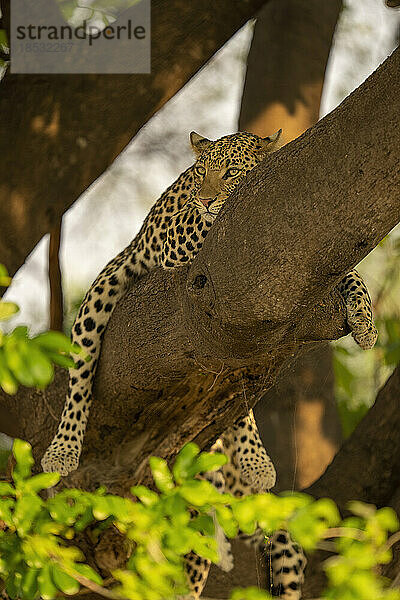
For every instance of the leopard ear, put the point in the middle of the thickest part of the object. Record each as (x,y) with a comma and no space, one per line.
(270,143)
(199,143)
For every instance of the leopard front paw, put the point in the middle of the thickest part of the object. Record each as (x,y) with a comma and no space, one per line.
(366,337)
(362,327)
(61,459)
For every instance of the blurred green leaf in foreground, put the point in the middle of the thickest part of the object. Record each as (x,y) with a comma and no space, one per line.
(38,558)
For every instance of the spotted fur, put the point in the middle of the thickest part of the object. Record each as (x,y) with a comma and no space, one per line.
(249,471)
(359,310)
(287,566)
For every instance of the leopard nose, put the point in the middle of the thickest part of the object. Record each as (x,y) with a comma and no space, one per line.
(206,201)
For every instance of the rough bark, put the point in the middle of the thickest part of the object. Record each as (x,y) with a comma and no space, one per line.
(59,133)
(367,468)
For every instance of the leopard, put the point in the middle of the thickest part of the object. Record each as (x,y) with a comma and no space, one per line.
(243,447)
(171,236)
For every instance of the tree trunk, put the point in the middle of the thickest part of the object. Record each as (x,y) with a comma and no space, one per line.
(286,66)
(59,133)
(299,421)
(55,280)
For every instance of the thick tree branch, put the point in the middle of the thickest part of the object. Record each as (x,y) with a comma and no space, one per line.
(372,453)
(59,133)
(285,90)
(367,468)
(190,350)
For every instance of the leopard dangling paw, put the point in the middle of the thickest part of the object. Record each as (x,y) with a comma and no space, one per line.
(359,310)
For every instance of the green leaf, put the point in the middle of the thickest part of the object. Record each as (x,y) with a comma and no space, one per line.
(39,366)
(182,468)
(27,508)
(16,361)
(101,508)
(204,524)
(64,582)
(88,572)
(47,589)
(56,342)
(205,547)
(208,461)
(13,586)
(42,481)
(161,474)
(245,514)
(6,508)
(30,584)
(66,362)
(5,280)
(311,522)
(7,310)
(387,518)
(226,520)
(6,489)
(84,520)
(7,379)
(200,492)
(22,452)
(175,507)
(20,332)
(4,43)
(146,496)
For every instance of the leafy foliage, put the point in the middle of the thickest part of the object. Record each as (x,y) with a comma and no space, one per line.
(29,360)
(38,558)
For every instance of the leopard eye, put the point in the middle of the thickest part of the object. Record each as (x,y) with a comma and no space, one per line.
(200,170)
(232,172)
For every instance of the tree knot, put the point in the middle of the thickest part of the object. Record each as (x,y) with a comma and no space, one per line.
(199,282)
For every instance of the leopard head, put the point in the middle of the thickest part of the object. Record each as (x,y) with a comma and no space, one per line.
(223,163)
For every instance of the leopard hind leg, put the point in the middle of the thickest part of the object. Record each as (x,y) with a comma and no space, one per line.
(288,563)
(197,569)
